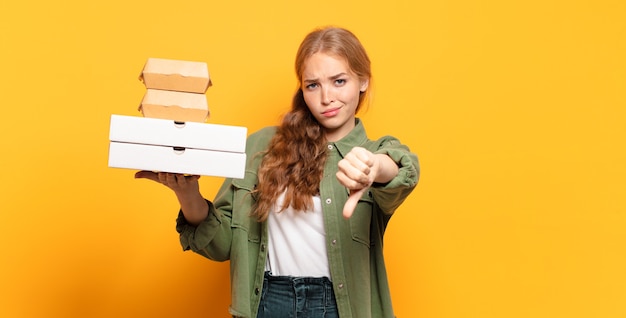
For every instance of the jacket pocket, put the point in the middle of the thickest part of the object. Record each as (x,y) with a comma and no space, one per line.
(243,201)
(361,219)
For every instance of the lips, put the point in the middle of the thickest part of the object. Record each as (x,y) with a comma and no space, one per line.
(331,112)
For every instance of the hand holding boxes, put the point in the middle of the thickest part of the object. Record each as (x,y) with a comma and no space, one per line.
(172,135)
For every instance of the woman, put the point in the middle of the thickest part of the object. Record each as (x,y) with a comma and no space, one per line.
(303,229)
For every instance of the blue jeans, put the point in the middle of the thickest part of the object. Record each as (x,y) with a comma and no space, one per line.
(297,297)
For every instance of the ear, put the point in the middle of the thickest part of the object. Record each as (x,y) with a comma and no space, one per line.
(364,85)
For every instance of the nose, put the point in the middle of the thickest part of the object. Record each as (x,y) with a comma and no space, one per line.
(326,96)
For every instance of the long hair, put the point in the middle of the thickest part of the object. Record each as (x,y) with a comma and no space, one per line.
(294,161)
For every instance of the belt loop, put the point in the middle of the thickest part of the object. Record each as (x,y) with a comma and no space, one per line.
(331,293)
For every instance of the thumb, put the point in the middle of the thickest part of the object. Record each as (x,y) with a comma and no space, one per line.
(143,174)
(353,199)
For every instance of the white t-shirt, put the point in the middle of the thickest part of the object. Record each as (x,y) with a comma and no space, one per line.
(297,242)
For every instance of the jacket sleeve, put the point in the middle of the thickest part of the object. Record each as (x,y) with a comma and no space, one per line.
(390,195)
(212,238)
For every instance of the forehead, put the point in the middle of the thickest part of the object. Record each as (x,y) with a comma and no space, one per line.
(324,65)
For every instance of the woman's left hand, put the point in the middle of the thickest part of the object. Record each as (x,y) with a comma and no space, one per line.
(357,171)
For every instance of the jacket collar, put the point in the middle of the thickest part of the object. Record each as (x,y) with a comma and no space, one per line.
(356,137)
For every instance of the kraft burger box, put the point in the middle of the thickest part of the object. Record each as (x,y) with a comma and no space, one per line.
(176,75)
(172,140)
(178,106)
(175,90)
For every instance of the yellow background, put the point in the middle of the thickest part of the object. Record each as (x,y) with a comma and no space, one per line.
(516,109)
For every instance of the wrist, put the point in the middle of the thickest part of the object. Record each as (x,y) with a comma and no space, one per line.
(387,169)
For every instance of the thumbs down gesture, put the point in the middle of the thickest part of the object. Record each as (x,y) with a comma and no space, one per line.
(359,169)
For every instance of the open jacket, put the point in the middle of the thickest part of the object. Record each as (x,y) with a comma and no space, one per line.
(355,245)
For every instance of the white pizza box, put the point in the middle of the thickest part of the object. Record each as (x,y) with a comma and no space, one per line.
(177,160)
(180,106)
(176,75)
(164,132)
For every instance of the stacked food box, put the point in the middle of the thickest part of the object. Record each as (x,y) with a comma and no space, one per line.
(173,136)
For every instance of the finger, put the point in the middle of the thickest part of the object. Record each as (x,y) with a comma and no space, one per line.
(358,161)
(363,155)
(357,173)
(351,183)
(174,179)
(162,177)
(143,174)
(188,177)
(192,177)
(182,179)
(352,201)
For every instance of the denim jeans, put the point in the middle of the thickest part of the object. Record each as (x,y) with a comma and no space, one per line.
(297,297)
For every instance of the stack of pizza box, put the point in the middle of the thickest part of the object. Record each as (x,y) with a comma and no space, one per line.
(173,136)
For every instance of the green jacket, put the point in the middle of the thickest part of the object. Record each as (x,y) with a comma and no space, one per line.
(355,245)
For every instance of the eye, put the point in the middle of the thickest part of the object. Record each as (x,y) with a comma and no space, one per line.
(311,86)
(340,82)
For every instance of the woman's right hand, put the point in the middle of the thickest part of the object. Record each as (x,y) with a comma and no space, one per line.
(187,190)
(179,183)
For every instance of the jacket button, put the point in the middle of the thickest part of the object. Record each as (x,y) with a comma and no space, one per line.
(329,201)
(262,247)
(333,242)
(256,291)
(340,286)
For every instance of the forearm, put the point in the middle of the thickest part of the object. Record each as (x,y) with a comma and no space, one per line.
(387,169)
(194,207)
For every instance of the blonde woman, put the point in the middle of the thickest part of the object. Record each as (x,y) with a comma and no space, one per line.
(303,229)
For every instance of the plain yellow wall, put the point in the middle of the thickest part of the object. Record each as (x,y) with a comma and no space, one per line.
(517,110)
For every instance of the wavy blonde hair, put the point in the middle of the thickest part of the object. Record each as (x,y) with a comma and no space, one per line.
(294,161)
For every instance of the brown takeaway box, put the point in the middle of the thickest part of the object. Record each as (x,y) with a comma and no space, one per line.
(176,75)
(177,106)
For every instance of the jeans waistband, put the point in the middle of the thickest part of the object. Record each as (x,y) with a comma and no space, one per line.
(298,279)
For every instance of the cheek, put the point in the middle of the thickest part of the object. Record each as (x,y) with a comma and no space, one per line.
(309,99)
(350,95)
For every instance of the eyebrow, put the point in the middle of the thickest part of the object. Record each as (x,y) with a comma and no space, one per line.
(334,77)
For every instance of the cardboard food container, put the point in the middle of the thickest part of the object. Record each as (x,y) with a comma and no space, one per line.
(178,106)
(188,148)
(163,132)
(177,160)
(176,75)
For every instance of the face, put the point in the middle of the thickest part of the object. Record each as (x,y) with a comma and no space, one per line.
(331,91)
